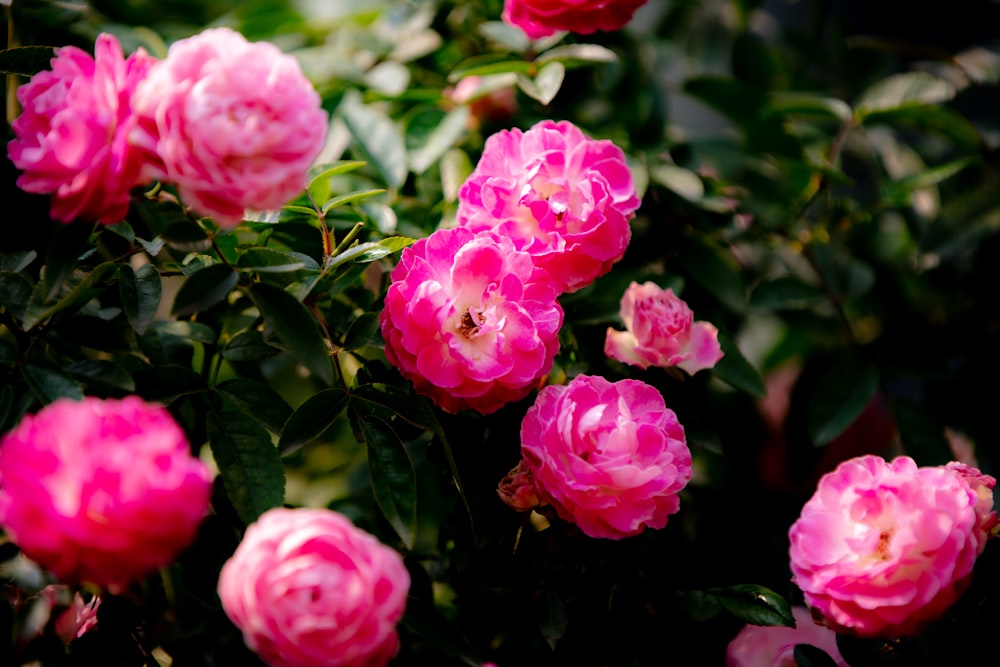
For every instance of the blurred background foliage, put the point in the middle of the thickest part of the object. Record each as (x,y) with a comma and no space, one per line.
(820,180)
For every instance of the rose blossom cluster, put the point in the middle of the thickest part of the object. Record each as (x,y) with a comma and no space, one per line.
(231,124)
(101,491)
(308,589)
(541,18)
(882,549)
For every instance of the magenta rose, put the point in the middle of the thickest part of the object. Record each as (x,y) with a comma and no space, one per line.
(774,646)
(661,331)
(309,589)
(233,124)
(883,549)
(101,491)
(470,320)
(71,139)
(541,18)
(609,457)
(561,196)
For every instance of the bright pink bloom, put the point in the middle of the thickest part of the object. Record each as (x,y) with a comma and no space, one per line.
(610,457)
(882,549)
(774,646)
(517,489)
(71,138)
(540,18)
(101,491)
(661,331)
(563,197)
(309,589)
(471,321)
(233,124)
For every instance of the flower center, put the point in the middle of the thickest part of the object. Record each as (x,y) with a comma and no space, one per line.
(469,324)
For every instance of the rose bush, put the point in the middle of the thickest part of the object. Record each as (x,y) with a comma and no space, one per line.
(884,548)
(559,195)
(661,331)
(610,457)
(540,18)
(774,645)
(233,124)
(101,491)
(71,139)
(309,589)
(470,320)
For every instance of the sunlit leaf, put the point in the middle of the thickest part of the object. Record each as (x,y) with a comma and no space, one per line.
(902,90)
(546,83)
(447,133)
(378,137)
(350,198)
(683,182)
(576,55)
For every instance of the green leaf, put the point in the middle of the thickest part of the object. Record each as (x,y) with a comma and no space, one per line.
(425,621)
(902,90)
(447,133)
(26,61)
(248,346)
(187,236)
(49,383)
(981,64)
(195,331)
(15,291)
(361,253)
(166,383)
(140,292)
(922,436)
(546,83)
(350,198)
(249,465)
(396,243)
(377,136)
(122,229)
(681,181)
(68,244)
(807,655)
(929,177)
(803,104)
(297,328)
(489,65)
(204,288)
(312,419)
(270,260)
(576,55)
(455,167)
(257,401)
(361,332)
(320,182)
(734,369)
(553,617)
(786,293)
(89,286)
(506,35)
(840,397)
(102,372)
(18,261)
(755,604)
(714,268)
(393,479)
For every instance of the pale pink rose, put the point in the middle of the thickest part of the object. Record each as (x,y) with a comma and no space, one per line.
(233,124)
(79,619)
(563,197)
(71,138)
(517,489)
(661,331)
(469,320)
(540,18)
(882,549)
(774,646)
(609,457)
(982,485)
(101,491)
(309,589)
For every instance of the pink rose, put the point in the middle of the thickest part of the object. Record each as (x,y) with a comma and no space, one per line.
(562,197)
(540,18)
(71,138)
(882,549)
(609,457)
(471,321)
(309,589)
(101,491)
(79,619)
(661,331)
(232,124)
(517,489)
(774,646)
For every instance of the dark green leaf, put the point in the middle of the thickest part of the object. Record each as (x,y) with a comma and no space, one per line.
(393,479)
(487,65)
(249,465)
(553,617)
(734,369)
(257,401)
(700,605)
(195,331)
(803,104)
(248,346)
(26,61)
(378,137)
(89,286)
(68,244)
(714,268)
(15,291)
(922,436)
(350,198)
(167,382)
(269,260)
(186,236)
(786,292)
(49,383)
(328,172)
(140,293)
(755,604)
(362,331)
(424,620)
(122,229)
(807,655)
(902,90)
(102,372)
(840,397)
(204,288)
(312,419)
(296,327)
